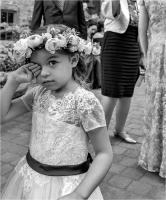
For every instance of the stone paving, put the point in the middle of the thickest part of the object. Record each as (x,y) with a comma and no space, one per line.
(125,179)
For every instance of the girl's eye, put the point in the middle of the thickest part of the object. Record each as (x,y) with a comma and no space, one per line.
(52,63)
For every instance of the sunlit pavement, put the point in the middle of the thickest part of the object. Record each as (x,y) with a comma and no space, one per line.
(125,179)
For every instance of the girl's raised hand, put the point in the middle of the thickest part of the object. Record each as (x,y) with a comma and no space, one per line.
(35,69)
(72,196)
(25,73)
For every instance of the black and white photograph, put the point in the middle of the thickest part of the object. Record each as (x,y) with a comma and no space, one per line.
(83,99)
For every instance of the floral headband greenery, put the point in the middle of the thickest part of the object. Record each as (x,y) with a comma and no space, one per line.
(53,40)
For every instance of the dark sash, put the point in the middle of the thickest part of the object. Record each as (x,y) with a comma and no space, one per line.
(64,170)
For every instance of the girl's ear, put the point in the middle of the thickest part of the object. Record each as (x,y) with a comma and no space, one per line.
(75,59)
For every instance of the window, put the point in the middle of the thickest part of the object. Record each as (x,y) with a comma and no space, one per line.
(7,16)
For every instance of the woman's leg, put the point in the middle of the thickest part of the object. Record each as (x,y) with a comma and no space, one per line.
(122,111)
(108,105)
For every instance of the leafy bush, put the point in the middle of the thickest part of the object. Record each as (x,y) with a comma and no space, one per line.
(7,62)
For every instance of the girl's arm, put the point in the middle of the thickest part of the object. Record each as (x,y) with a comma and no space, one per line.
(9,108)
(143,27)
(99,167)
(101,163)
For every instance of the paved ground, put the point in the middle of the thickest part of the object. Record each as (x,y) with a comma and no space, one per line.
(125,180)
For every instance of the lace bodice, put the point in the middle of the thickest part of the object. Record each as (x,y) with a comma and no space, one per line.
(157,18)
(60,126)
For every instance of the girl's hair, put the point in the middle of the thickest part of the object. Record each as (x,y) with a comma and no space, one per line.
(80,71)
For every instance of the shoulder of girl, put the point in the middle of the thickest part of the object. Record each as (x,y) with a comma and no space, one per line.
(86,96)
(85,93)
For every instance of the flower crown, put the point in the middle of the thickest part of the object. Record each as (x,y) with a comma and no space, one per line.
(53,40)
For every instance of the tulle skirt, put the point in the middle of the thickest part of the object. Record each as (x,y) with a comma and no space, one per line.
(25,183)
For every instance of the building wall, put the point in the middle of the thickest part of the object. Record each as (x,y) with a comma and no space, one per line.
(22,8)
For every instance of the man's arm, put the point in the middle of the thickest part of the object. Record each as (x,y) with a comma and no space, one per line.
(37,14)
(81,20)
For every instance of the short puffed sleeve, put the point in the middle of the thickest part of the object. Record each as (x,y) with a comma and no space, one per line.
(29,96)
(90,112)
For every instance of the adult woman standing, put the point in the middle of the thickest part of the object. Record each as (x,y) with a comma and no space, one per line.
(120,60)
(152,30)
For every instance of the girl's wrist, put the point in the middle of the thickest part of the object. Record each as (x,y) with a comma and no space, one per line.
(81,195)
(13,80)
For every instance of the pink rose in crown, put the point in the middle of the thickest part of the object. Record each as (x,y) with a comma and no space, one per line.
(51,45)
(34,41)
(55,44)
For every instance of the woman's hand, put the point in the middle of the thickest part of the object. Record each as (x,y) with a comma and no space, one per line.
(72,196)
(25,73)
(143,61)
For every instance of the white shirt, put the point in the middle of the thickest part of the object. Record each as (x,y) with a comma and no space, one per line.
(119,23)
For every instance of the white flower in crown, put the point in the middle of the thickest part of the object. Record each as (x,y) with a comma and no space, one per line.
(73,48)
(88,48)
(28,53)
(73,40)
(56,43)
(20,49)
(21,44)
(81,45)
(51,45)
(46,36)
(61,40)
(52,30)
(34,41)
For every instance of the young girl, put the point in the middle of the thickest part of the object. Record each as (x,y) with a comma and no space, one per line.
(65,117)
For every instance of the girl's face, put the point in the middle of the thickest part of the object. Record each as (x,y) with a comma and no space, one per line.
(56,70)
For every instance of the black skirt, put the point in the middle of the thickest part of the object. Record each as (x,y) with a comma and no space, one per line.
(120,63)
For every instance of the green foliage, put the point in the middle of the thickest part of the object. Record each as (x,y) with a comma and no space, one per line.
(7,62)
(12,34)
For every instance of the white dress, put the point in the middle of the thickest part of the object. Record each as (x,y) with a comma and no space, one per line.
(58,137)
(153,151)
